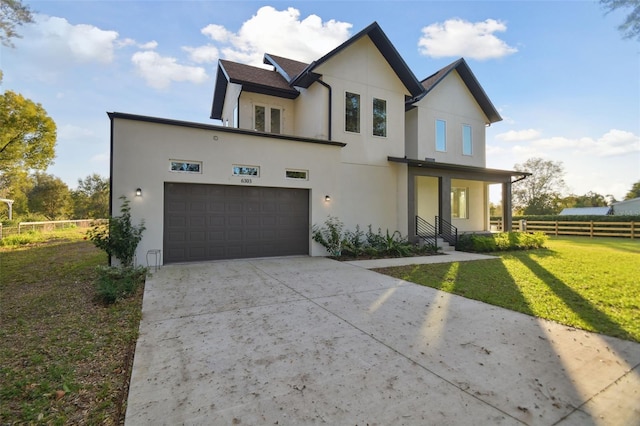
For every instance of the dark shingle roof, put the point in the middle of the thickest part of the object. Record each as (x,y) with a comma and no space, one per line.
(382,42)
(252,79)
(472,84)
(287,68)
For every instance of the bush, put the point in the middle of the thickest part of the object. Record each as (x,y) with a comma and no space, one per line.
(28,237)
(503,241)
(354,244)
(119,238)
(114,283)
(330,235)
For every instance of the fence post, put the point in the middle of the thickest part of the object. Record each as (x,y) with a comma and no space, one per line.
(556,228)
(632,230)
(591,229)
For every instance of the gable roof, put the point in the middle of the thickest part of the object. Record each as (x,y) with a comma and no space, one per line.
(585,211)
(287,68)
(307,76)
(469,80)
(252,79)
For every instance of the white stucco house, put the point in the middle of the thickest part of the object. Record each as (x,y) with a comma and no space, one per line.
(354,135)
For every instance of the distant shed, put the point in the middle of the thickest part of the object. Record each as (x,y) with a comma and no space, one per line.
(627,207)
(586,211)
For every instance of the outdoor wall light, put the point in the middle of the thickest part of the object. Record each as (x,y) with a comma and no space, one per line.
(327,198)
(138,192)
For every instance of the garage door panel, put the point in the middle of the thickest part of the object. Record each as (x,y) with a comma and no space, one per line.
(208,222)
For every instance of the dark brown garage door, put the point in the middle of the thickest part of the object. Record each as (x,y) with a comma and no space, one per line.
(209,222)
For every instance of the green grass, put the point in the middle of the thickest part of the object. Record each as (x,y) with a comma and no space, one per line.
(592,284)
(64,357)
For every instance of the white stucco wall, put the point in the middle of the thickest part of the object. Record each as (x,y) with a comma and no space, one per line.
(246,111)
(452,102)
(478,206)
(142,151)
(361,69)
(426,188)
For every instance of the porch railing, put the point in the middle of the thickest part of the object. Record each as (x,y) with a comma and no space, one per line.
(446,231)
(426,232)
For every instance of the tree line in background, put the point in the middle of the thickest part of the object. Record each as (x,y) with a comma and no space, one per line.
(542,192)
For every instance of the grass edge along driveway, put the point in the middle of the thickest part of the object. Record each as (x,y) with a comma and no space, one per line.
(591,284)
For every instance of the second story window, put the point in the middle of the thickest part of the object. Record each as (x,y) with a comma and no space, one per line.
(379,117)
(267,119)
(352,112)
(441,135)
(467,145)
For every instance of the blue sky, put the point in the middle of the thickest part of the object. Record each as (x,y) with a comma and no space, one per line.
(563,79)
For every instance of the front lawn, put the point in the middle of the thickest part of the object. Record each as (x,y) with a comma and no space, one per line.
(586,283)
(65,358)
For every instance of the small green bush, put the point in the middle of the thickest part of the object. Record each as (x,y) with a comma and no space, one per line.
(29,237)
(114,283)
(503,241)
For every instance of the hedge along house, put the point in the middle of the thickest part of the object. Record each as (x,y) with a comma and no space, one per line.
(353,135)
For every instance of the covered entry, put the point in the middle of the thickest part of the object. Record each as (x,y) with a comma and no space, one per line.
(211,222)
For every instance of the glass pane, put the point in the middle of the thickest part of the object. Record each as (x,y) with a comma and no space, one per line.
(467,146)
(275,120)
(246,171)
(259,124)
(379,117)
(441,135)
(296,174)
(352,112)
(459,208)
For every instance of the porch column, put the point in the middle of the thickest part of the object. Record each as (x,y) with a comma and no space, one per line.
(445,198)
(411,207)
(506,207)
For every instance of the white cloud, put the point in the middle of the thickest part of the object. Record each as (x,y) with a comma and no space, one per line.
(614,142)
(69,131)
(149,45)
(518,135)
(280,32)
(159,71)
(53,36)
(203,54)
(457,37)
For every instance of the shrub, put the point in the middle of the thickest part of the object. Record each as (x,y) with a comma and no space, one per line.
(330,235)
(503,241)
(28,237)
(114,283)
(353,244)
(119,238)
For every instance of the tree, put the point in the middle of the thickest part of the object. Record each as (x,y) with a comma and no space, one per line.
(634,192)
(91,198)
(50,197)
(630,28)
(12,14)
(15,186)
(591,199)
(27,134)
(538,193)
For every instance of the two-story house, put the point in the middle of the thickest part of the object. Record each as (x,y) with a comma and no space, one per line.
(353,135)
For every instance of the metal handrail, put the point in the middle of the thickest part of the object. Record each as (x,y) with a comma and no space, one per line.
(426,231)
(446,231)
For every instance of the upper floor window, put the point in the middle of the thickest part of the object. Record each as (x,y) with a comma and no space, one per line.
(352,112)
(379,117)
(267,119)
(459,203)
(467,145)
(441,135)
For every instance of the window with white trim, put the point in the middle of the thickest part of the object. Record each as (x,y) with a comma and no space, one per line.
(297,174)
(352,112)
(185,166)
(441,135)
(467,145)
(379,117)
(241,170)
(459,203)
(267,119)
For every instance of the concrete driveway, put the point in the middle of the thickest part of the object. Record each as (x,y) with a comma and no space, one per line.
(296,341)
